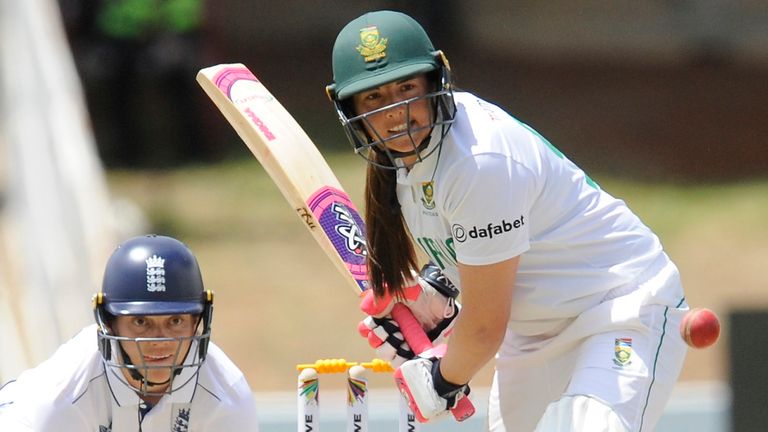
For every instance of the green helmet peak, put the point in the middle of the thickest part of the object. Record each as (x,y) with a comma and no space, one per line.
(377,48)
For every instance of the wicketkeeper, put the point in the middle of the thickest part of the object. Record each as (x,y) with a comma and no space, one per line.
(146,365)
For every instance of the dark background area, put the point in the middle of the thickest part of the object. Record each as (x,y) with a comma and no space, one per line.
(665,90)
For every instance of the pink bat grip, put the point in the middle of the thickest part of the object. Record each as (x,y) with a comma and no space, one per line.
(419,343)
(411,329)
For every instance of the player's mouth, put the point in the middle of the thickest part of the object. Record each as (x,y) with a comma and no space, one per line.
(398,129)
(404,128)
(156,358)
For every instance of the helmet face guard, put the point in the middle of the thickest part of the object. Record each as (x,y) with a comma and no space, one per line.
(184,365)
(371,144)
(152,276)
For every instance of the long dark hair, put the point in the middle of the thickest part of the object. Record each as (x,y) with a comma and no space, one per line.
(391,255)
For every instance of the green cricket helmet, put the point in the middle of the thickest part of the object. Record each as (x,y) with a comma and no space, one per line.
(378,48)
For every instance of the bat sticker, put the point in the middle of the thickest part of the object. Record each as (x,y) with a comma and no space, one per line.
(343,225)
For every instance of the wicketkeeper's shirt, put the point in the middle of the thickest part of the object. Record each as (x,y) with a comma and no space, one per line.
(498,189)
(72,392)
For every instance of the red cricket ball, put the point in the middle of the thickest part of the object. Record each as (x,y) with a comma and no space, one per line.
(700,328)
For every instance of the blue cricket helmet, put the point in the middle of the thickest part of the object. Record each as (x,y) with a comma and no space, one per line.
(152,275)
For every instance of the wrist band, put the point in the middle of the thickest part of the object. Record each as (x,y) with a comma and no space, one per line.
(443,387)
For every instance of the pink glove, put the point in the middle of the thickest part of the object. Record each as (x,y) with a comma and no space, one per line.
(432,302)
(412,332)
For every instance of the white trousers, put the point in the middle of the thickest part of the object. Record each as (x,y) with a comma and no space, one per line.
(626,351)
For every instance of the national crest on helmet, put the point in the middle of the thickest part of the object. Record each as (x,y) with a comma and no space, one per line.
(155,273)
(372,47)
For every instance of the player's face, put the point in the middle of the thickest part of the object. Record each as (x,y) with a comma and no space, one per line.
(156,355)
(416,116)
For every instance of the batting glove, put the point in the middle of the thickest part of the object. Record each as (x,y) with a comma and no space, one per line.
(428,394)
(432,301)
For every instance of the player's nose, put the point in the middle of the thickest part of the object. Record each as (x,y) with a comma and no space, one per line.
(396,111)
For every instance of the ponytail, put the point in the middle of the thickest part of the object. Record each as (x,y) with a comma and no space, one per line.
(391,256)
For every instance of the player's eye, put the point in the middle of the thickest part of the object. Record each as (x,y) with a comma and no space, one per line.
(139,321)
(176,320)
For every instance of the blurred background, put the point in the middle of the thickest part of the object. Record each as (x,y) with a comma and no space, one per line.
(104,134)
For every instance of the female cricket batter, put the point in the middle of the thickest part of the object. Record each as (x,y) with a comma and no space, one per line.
(146,365)
(558,279)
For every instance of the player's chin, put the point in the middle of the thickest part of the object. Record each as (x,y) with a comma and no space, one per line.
(405,144)
(158,375)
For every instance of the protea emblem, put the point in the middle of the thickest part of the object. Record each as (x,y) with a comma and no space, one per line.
(372,46)
(428,195)
(622,351)
(155,273)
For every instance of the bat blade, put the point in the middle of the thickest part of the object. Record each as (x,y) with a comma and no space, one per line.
(295,164)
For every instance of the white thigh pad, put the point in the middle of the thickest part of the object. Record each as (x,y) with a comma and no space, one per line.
(580,413)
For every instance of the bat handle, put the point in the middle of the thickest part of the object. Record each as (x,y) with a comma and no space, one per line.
(411,328)
(419,342)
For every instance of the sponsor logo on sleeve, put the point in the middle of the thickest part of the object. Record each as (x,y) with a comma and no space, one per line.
(490,231)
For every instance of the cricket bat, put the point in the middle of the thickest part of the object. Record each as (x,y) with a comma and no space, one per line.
(306,181)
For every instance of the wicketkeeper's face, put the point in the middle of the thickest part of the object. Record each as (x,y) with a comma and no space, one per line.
(162,342)
(403,120)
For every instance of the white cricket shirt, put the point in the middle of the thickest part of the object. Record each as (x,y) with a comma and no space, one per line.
(498,189)
(72,392)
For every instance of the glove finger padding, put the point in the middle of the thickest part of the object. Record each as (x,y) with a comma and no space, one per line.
(384,335)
